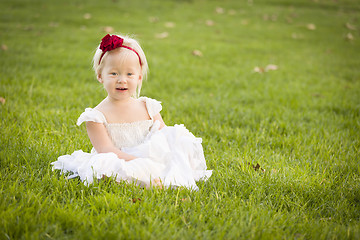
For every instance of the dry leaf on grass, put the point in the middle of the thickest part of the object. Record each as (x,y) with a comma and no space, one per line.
(318,95)
(87,16)
(169,24)
(2,100)
(311,26)
(259,69)
(244,22)
(209,23)
(4,47)
(134,200)
(108,29)
(53,24)
(153,19)
(256,167)
(197,53)
(349,37)
(350,26)
(267,17)
(29,28)
(297,36)
(231,12)
(162,35)
(271,67)
(219,10)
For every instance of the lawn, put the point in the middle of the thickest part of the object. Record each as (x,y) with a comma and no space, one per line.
(271,82)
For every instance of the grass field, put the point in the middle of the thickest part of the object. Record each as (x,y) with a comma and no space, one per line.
(272,82)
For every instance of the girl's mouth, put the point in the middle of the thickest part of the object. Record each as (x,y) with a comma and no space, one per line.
(121,89)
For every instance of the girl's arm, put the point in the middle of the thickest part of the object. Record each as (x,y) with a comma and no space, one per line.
(159,118)
(102,142)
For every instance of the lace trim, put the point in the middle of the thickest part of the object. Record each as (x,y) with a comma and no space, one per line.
(128,134)
(129,123)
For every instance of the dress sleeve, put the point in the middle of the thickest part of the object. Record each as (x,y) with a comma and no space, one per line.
(153,106)
(91,115)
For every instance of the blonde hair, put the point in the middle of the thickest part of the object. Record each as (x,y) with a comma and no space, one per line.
(132,43)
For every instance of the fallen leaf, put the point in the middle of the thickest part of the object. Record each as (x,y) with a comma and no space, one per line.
(271,67)
(197,53)
(350,26)
(231,12)
(349,37)
(317,95)
(2,100)
(210,23)
(134,200)
(108,29)
(296,36)
(294,15)
(162,35)
(259,69)
(153,19)
(53,24)
(244,22)
(4,47)
(169,24)
(256,167)
(311,26)
(87,16)
(219,10)
(273,18)
(29,28)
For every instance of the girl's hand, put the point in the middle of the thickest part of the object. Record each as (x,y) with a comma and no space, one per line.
(125,156)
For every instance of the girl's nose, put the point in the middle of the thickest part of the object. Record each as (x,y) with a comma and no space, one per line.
(121,79)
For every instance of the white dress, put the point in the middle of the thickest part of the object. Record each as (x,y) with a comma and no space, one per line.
(172,155)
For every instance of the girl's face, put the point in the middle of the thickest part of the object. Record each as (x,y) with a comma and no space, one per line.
(120,74)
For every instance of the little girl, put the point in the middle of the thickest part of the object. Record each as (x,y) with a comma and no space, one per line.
(130,139)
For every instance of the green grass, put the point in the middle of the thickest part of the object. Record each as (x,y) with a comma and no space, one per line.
(301,122)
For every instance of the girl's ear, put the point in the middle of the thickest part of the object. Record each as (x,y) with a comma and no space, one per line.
(99,78)
(140,79)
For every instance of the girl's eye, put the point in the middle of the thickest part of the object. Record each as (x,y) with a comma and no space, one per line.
(113,74)
(130,74)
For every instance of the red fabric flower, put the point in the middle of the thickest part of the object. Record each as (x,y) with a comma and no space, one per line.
(109,43)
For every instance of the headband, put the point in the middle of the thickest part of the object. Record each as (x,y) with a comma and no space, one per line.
(109,43)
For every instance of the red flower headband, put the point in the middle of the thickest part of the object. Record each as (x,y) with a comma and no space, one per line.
(109,43)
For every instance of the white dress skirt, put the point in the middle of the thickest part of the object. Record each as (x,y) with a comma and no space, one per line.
(172,156)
